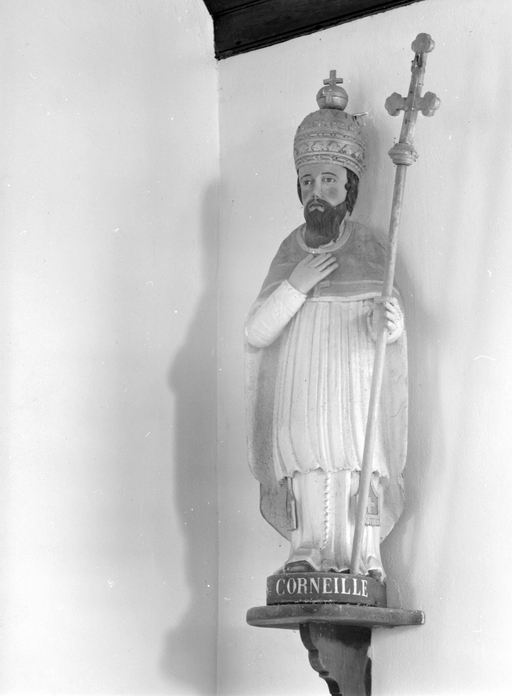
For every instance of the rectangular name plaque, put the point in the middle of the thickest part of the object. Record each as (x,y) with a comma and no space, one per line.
(339,588)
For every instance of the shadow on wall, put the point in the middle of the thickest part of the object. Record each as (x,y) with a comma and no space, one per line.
(470,250)
(189,652)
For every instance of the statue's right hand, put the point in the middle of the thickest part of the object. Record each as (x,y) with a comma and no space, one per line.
(311,270)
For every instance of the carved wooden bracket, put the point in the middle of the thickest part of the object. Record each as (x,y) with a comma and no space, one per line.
(337,637)
(341,656)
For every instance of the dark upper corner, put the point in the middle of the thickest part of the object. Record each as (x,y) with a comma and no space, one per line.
(245,25)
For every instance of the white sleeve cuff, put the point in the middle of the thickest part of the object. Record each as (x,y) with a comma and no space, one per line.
(268,321)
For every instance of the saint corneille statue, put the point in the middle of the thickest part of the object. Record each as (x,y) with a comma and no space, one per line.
(310,340)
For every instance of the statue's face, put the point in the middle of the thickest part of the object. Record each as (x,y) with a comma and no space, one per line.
(322,180)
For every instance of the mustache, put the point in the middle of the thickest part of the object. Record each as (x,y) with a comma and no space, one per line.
(318,202)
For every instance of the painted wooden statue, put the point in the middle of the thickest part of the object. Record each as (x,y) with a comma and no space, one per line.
(310,339)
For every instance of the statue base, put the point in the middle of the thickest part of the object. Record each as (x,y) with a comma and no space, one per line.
(325,588)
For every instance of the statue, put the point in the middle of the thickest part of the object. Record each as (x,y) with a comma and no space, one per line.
(310,345)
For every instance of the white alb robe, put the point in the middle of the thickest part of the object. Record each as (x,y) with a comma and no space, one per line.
(323,359)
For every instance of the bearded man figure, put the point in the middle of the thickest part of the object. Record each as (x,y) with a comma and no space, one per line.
(310,340)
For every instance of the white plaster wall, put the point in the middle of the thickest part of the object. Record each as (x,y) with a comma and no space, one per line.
(449,554)
(109,161)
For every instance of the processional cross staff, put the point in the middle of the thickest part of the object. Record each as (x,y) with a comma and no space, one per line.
(403,155)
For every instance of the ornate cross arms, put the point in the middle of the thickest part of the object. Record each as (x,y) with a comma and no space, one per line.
(394,104)
(403,152)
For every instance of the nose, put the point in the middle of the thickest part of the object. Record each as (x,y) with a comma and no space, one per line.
(317,190)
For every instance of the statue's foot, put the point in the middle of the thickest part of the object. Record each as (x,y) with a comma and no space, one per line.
(377,574)
(298,567)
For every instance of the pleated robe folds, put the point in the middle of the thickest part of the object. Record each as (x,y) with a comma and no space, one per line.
(308,392)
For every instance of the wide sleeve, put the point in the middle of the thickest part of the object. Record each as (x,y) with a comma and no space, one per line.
(267,322)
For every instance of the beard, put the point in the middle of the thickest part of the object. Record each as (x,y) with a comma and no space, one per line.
(323,226)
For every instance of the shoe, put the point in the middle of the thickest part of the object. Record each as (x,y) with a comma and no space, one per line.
(299,567)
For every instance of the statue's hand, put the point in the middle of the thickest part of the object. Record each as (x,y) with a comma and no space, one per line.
(393,317)
(311,270)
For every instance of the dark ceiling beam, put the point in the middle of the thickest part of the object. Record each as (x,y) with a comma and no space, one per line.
(245,25)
